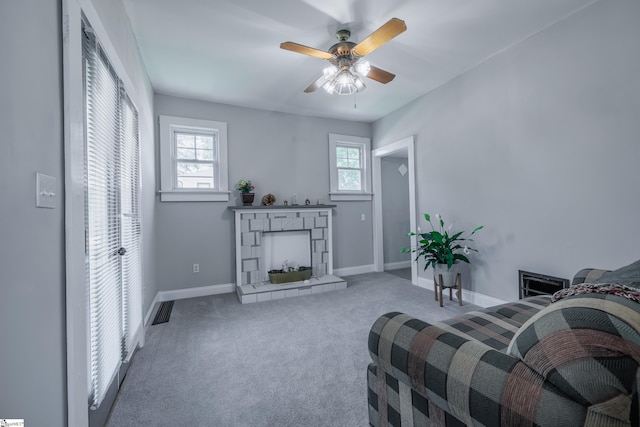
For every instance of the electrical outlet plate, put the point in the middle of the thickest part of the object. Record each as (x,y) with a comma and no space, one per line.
(45,191)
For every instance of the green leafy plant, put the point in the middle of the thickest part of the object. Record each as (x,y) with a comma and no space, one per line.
(441,247)
(245,186)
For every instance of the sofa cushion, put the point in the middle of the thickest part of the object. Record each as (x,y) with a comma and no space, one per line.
(592,333)
(628,275)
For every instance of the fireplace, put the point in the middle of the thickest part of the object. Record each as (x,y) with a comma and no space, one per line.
(266,236)
(290,247)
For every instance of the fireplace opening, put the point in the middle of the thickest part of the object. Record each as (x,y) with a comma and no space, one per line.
(278,247)
(533,284)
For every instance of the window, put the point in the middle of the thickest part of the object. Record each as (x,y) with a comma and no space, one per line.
(349,158)
(193,160)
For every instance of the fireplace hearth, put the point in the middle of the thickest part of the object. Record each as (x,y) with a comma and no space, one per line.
(252,224)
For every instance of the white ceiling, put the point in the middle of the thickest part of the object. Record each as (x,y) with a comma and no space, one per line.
(228,51)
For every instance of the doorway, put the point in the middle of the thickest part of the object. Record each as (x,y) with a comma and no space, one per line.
(386,161)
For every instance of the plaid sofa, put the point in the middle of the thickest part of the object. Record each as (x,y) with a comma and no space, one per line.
(573,362)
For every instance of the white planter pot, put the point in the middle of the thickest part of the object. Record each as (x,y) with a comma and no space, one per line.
(448,275)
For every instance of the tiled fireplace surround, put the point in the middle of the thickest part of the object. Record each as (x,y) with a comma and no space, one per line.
(252,222)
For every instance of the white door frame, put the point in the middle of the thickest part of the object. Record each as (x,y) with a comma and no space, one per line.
(377,154)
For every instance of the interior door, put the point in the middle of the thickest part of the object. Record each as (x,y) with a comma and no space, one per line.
(112,224)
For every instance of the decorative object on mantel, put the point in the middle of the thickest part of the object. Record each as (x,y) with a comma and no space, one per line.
(442,250)
(268,200)
(285,203)
(294,200)
(307,202)
(247,199)
(246,187)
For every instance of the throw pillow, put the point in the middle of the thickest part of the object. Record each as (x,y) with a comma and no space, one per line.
(628,275)
(587,345)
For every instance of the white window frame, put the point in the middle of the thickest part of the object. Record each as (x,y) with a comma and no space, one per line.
(362,143)
(169,192)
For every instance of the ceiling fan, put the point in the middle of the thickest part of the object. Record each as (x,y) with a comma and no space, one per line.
(343,75)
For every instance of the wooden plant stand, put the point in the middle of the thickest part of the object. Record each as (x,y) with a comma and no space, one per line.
(438,285)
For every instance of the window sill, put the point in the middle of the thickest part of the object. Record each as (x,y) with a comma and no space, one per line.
(194,196)
(344,197)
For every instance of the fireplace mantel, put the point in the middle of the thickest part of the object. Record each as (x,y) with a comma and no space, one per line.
(280,207)
(252,221)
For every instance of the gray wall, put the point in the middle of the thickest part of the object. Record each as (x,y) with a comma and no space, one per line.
(32,263)
(32,287)
(539,144)
(395,209)
(282,154)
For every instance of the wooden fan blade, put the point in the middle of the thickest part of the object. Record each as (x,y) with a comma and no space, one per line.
(315,85)
(305,50)
(391,29)
(380,75)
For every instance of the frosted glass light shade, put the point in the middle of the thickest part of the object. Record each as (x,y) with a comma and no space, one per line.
(362,67)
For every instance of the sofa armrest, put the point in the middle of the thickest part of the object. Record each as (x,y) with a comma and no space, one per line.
(466,378)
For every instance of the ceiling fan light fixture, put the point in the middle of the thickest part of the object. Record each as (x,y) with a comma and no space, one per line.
(330,72)
(329,86)
(345,83)
(362,67)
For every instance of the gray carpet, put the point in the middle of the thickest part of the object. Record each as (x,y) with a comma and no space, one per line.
(293,362)
(403,273)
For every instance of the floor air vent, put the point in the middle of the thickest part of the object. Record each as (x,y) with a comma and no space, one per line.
(164,313)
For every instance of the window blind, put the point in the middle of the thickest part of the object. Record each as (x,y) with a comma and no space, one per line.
(130,223)
(112,223)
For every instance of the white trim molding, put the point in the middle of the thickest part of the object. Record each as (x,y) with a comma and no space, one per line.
(168,190)
(397,265)
(404,145)
(468,296)
(200,291)
(350,271)
(364,145)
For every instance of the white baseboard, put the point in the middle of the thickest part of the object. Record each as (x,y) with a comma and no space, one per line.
(397,265)
(151,310)
(350,271)
(138,338)
(469,296)
(201,291)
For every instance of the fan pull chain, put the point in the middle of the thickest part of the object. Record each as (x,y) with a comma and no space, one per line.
(355,96)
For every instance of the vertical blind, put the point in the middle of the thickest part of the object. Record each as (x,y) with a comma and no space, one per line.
(112,225)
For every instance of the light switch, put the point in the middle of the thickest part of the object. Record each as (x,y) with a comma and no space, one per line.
(45,191)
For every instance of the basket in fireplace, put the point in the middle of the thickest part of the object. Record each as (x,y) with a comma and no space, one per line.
(282,276)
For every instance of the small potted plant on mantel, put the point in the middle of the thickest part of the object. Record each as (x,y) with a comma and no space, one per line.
(442,249)
(246,187)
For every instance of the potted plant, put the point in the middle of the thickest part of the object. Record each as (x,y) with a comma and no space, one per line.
(246,187)
(442,249)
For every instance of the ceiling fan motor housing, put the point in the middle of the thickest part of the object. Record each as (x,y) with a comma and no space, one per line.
(341,50)
(343,35)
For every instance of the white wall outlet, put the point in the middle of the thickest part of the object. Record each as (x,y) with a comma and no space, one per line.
(196,268)
(362,217)
(45,191)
